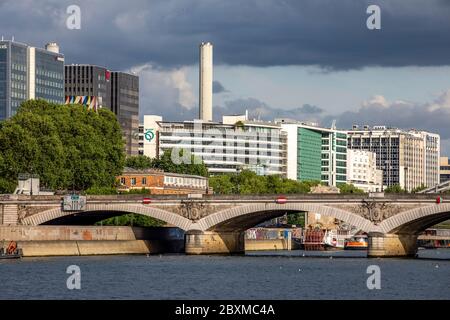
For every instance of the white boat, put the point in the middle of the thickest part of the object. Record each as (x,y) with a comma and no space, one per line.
(334,240)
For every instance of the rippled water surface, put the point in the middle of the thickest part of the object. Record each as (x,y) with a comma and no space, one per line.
(258,275)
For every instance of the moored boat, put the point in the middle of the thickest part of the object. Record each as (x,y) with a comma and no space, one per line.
(359,242)
(11,251)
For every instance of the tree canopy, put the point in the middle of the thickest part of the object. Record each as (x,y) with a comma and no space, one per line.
(248,182)
(396,188)
(68,146)
(191,165)
(349,188)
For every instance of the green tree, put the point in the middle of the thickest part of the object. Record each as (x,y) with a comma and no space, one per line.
(396,188)
(139,162)
(221,184)
(193,165)
(419,188)
(68,146)
(248,182)
(132,219)
(297,218)
(349,188)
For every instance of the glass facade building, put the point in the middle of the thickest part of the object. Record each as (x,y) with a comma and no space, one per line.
(125,104)
(227,147)
(315,153)
(49,77)
(310,144)
(13,77)
(28,73)
(97,87)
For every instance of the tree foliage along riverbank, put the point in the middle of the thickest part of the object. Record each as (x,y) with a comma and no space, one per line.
(131,219)
(194,166)
(248,182)
(68,146)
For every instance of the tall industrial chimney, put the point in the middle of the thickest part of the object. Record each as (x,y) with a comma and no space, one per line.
(206,79)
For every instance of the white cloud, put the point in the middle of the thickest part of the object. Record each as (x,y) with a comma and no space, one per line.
(377,100)
(433,116)
(165,92)
(441,103)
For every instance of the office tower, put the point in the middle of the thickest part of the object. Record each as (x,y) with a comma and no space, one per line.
(29,73)
(88,85)
(97,87)
(125,104)
(205,81)
(315,153)
(227,147)
(407,158)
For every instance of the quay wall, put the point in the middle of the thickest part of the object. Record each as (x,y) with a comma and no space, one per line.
(92,240)
(83,248)
(267,244)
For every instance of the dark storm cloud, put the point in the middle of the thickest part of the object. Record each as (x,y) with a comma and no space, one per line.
(261,110)
(328,33)
(309,109)
(218,87)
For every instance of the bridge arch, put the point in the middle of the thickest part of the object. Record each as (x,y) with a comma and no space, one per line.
(55,213)
(246,216)
(416,220)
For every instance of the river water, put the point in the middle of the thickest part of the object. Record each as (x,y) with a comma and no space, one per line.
(260,275)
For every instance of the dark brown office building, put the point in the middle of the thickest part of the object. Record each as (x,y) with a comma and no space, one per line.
(125,104)
(97,87)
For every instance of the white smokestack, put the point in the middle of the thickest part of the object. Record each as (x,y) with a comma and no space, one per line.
(206,79)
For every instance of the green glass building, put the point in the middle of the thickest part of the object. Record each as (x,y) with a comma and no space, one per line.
(315,153)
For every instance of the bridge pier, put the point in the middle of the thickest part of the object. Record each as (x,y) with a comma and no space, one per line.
(211,242)
(392,245)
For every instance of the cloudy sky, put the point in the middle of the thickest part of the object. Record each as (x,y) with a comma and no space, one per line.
(303,59)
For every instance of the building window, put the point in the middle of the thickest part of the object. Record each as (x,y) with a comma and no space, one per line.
(122,180)
(133,181)
(144,181)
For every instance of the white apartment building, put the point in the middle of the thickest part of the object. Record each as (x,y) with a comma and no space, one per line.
(227,147)
(362,171)
(407,158)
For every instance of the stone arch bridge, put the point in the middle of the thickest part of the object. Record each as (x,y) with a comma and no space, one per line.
(216,224)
